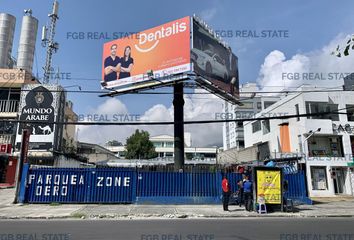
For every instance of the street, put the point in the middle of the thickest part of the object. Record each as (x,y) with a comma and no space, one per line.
(201,229)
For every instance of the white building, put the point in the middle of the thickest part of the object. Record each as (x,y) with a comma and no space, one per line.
(233,134)
(326,142)
(164,146)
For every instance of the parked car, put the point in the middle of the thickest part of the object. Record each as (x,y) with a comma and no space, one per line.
(210,63)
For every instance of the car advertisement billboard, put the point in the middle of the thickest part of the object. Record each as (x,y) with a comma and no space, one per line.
(162,51)
(215,64)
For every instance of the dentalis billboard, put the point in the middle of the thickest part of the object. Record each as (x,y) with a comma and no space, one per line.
(170,52)
(164,49)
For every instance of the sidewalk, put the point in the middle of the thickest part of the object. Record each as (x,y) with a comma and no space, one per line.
(324,208)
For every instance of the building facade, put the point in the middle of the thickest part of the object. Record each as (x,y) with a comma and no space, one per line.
(11,81)
(233,132)
(324,142)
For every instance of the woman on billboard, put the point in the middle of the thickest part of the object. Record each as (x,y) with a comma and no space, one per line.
(127,63)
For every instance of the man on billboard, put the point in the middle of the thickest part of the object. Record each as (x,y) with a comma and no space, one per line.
(126,63)
(112,65)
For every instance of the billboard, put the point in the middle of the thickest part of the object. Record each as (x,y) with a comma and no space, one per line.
(43,104)
(173,51)
(164,50)
(215,64)
(269,186)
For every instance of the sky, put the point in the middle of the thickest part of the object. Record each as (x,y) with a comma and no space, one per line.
(314,28)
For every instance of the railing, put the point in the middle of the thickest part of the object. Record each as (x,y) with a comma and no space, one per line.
(9,105)
(6,138)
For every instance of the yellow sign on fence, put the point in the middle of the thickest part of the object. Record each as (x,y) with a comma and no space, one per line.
(269,186)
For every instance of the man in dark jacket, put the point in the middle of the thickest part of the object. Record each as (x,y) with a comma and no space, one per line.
(247,191)
(225,193)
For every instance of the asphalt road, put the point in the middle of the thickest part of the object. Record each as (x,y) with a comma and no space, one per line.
(181,229)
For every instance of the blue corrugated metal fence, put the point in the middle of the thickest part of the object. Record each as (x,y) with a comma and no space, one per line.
(111,185)
(297,187)
(79,185)
(175,187)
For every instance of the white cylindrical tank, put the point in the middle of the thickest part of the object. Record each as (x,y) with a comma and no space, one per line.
(27,43)
(7,29)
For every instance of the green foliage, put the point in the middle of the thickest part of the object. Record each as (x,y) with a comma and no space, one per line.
(114,143)
(139,146)
(340,52)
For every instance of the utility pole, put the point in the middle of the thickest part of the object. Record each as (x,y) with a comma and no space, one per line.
(49,42)
(178,103)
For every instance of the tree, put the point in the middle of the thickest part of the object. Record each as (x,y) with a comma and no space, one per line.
(114,143)
(340,52)
(139,146)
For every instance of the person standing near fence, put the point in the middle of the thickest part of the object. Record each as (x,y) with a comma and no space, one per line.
(225,193)
(247,190)
(240,192)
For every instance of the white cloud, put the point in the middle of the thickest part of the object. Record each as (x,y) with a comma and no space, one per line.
(202,106)
(277,72)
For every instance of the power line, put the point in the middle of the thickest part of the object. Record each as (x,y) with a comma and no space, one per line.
(167,93)
(171,123)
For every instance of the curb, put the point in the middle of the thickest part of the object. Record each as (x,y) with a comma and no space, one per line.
(169,216)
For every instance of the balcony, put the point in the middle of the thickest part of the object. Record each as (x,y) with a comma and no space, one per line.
(8,108)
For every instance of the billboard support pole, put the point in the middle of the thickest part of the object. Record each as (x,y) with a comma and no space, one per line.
(23,159)
(178,103)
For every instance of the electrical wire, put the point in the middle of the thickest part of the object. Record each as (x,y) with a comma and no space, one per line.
(168,93)
(184,122)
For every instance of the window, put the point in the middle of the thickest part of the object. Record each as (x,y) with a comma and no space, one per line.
(329,146)
(266,126)
(319,178)
(268,104)
(350,112)
(300,143)
(297,111)
(259,105)
(256,126)
(318,107)
(246,105)
(7,128)
(157,144)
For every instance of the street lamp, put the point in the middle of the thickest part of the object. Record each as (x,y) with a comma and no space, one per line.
(311,133)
